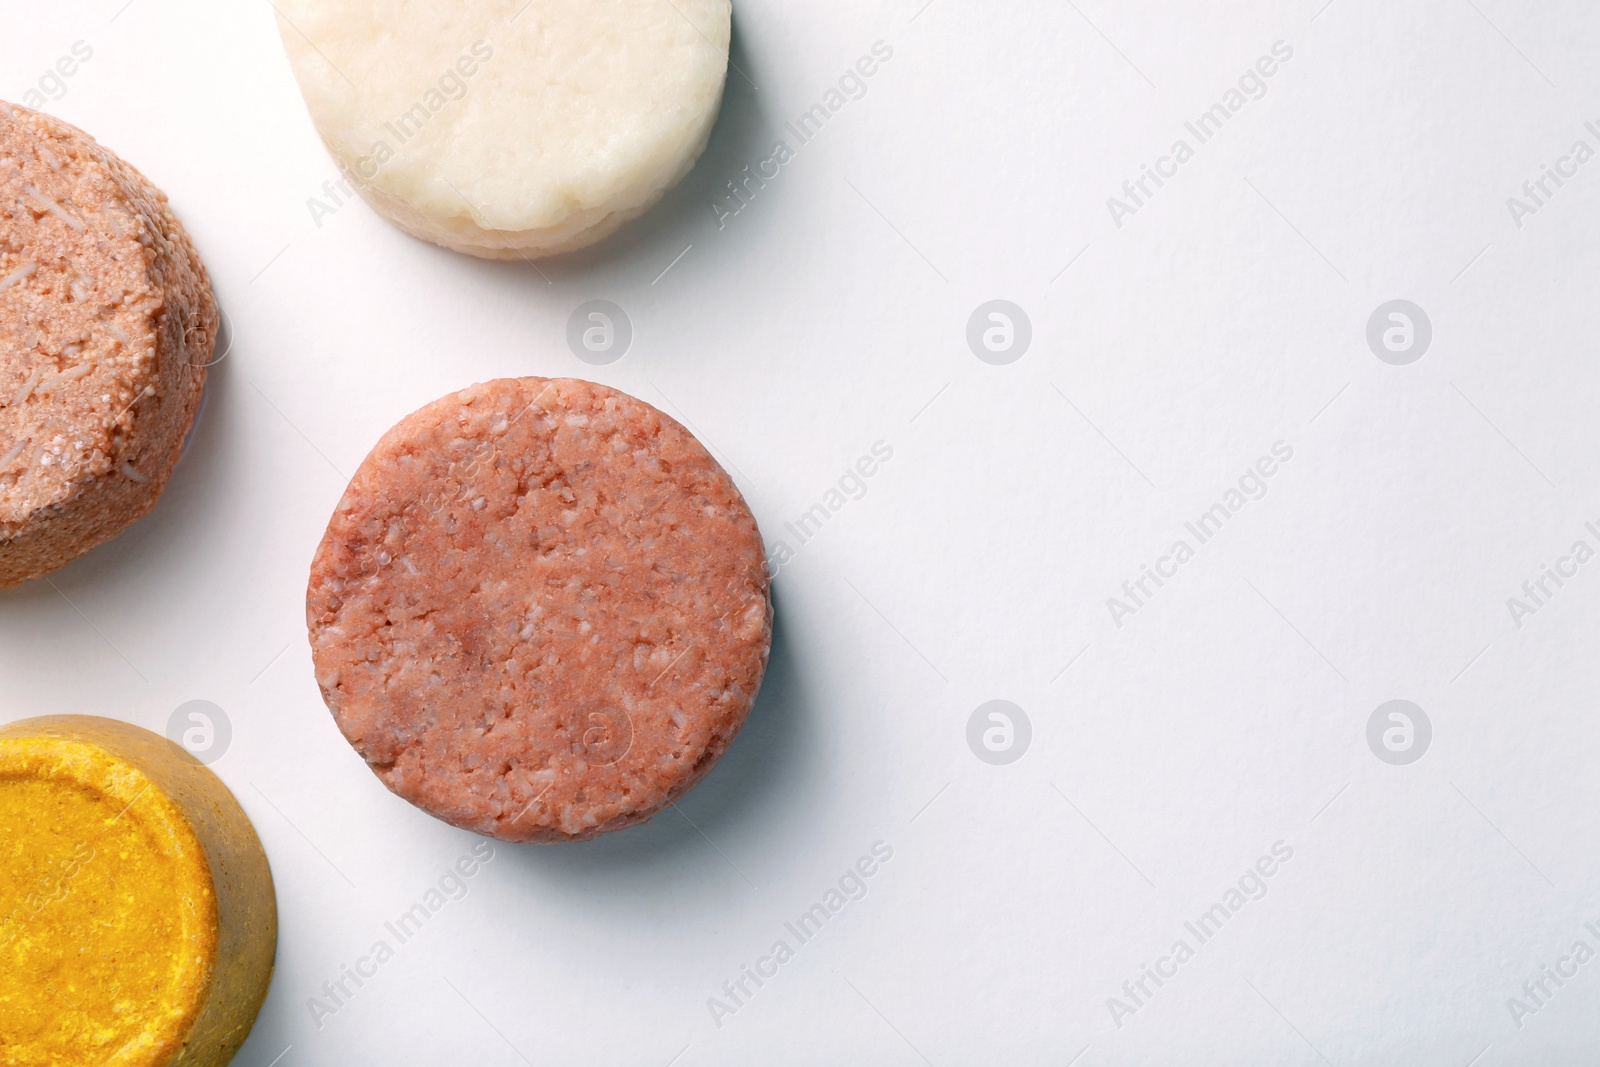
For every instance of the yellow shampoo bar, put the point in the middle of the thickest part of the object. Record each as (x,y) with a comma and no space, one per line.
(137,919)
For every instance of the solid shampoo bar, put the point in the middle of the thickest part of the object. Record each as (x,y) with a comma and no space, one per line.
(137,917)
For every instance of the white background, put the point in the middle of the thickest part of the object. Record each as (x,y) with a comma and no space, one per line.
(1227,715)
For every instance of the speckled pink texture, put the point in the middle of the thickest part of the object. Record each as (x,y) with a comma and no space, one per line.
(541,611)
(107,324)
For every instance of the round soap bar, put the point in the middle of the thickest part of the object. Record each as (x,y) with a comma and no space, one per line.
(509,128)
(541,611)
(107,322)
(137,919)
